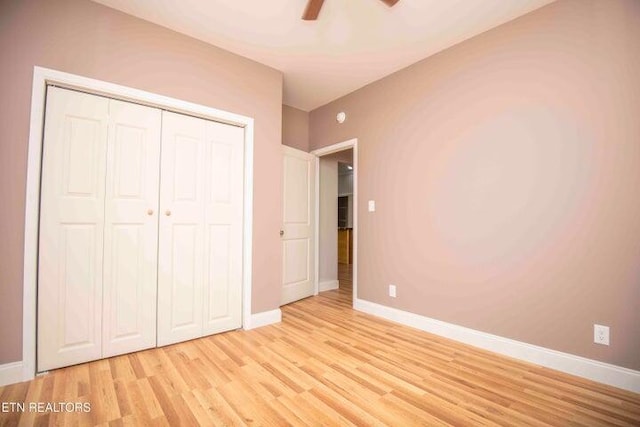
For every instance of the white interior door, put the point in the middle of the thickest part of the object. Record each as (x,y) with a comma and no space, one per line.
(131,228)
(224,199)
(181,240)
(200,248)
(71,229)
(298,225)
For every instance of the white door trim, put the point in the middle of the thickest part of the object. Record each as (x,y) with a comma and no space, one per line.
(340,146)
(10,373)
(41,78)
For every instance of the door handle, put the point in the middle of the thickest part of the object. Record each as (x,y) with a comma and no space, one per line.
(281,232)
(167,212)
(150,212)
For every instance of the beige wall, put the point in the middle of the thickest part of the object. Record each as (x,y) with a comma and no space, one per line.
(505,172)
(82,37)
(295,128)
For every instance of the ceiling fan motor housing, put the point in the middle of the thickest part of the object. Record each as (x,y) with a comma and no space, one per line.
(312,10)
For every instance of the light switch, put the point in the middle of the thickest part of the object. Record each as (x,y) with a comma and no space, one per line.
(372,205)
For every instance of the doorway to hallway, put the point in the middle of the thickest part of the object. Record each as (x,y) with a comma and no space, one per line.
(336,207)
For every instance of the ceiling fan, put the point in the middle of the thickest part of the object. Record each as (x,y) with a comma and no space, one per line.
(312,10)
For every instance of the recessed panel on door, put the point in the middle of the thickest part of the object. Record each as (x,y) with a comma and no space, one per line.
(131,228)
(71,229)
(77,271)
(186,290)
(297,177)
(297,253)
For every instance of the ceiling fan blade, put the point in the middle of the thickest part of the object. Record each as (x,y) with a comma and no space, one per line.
(389,2)
(312,10)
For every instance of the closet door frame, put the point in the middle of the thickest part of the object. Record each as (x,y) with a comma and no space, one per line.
(43,77)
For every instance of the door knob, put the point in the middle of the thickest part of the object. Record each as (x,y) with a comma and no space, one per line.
(150,212)
(282,232)
(167,212)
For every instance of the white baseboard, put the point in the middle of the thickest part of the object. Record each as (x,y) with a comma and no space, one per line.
(328,285)
(594,370)
(11,373)
(263,319)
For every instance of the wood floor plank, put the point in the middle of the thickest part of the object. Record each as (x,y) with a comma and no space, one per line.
(336,401)
(325,364)
(249,405)
(310,413)
(218,409)
(197,408)
(164,399)
(289,413)
(140,407)
(397,407)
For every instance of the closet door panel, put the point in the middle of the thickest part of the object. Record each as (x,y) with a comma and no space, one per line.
(223,218)
(71,229)
(181,243)
(131,228)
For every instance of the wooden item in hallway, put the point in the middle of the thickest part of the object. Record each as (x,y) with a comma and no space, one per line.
(345,277)
(345,246)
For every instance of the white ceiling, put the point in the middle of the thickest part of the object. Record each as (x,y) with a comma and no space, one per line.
(353,42)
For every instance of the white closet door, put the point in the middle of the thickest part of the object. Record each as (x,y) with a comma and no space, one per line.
(223,221)
(200,244)
(131,228)
(181,245)
(71,229)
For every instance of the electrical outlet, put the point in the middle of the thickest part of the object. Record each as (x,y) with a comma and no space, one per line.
(392,291)
(372,206)
(601,334)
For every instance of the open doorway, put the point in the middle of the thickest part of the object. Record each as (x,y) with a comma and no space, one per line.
(345,220)
(336,211)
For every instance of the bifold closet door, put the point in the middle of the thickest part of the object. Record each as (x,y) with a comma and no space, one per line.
(200,241)
(98,228)
(71,229)
(131,228)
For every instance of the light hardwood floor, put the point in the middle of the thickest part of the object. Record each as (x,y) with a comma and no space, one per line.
(325,364)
